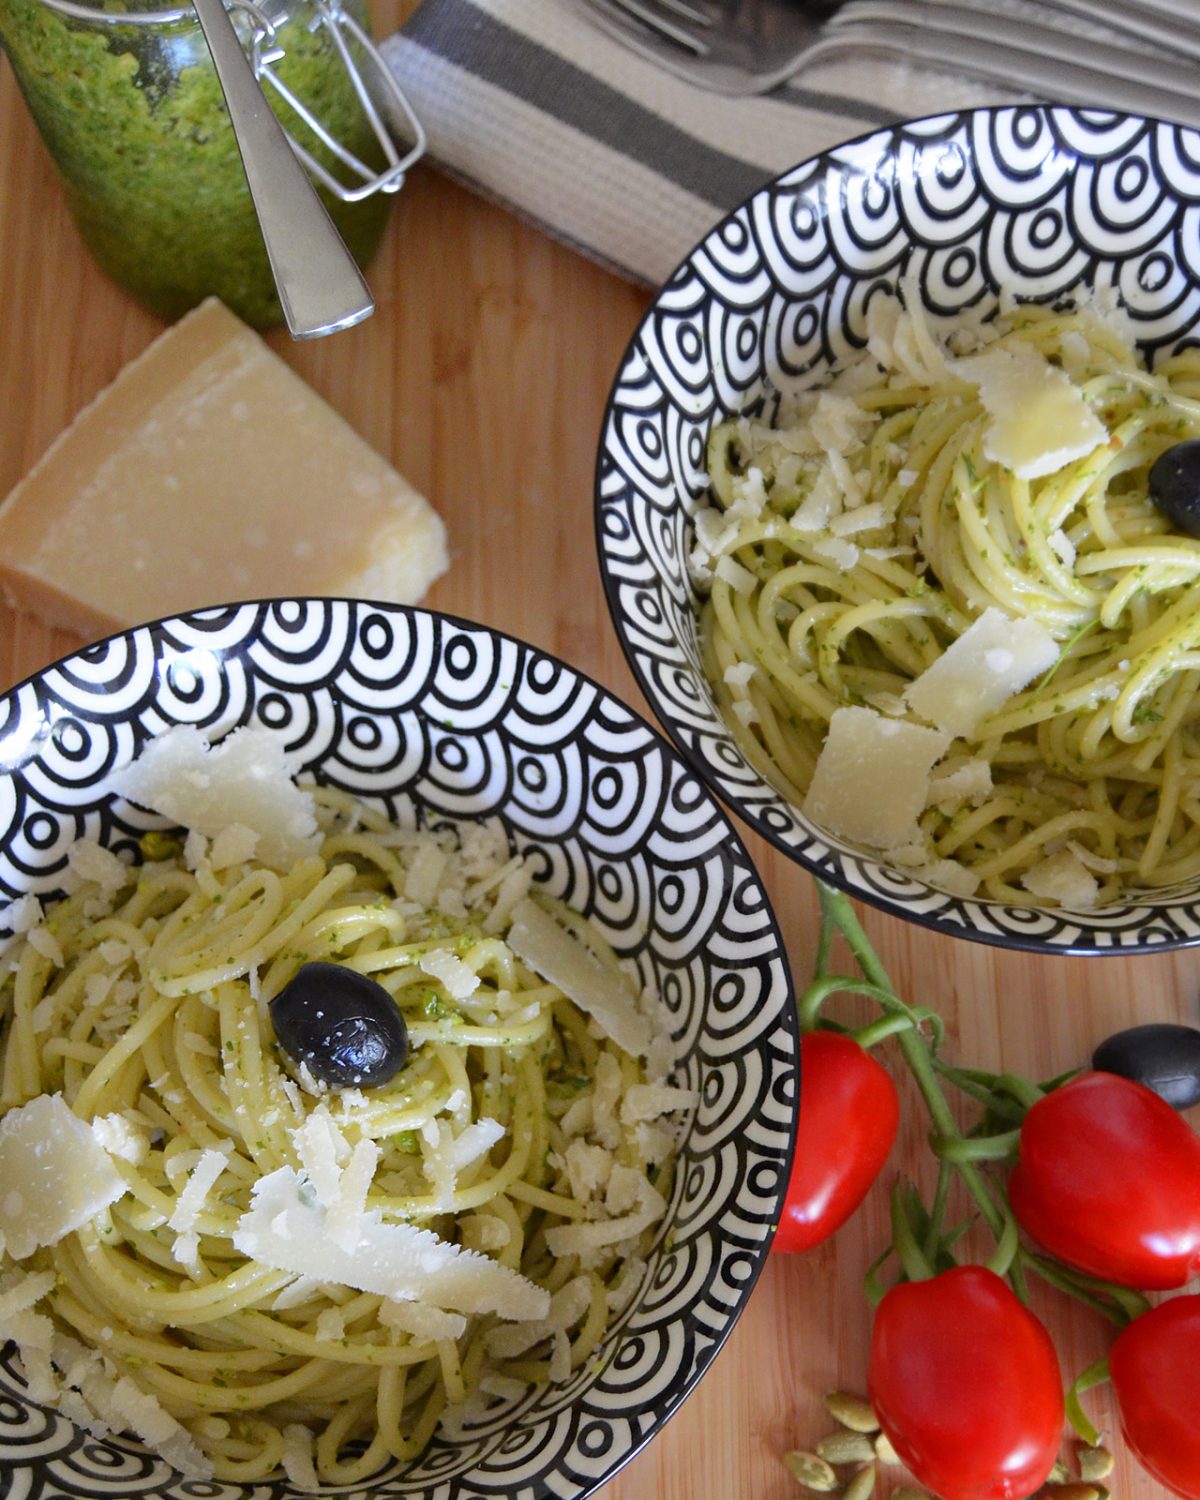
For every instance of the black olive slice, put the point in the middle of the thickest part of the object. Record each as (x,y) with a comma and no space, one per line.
(341,1025)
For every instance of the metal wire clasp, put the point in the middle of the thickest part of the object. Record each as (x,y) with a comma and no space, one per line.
(395,106)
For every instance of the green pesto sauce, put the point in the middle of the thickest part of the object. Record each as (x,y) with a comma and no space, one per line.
(135,120)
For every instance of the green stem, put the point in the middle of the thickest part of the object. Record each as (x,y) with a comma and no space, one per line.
(960,1148)
(1093,1376)
(878,1031)
(809,1005)
(904,1238)
(836,908)
(937,1213)
(966,1081)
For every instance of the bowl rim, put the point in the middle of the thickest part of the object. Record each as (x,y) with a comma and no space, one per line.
(929,921)
(789,1016)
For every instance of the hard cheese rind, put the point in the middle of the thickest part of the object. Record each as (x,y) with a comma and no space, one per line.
(209,472)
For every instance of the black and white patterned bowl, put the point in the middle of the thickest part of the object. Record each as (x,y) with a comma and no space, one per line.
(1038,201)
(427,715)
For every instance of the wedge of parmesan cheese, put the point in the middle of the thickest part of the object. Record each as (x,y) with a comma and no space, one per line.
(995,657)
(872,777)
(1040,420)
(286,1229)
(209,471)
(551,951)
(54,1175)
(245,779)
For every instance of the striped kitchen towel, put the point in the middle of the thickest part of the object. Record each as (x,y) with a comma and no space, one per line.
(529,102)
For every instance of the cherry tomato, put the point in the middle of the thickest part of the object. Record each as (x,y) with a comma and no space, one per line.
(1153,1365)
(965,1382)
(1108,1180)
(848,1118)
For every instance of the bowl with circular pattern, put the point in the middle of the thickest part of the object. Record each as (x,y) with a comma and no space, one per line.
(425,719)
(778,570)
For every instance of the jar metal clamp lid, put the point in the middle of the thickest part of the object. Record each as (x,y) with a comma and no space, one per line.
(393,122)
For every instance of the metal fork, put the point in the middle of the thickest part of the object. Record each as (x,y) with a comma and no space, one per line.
(744,47)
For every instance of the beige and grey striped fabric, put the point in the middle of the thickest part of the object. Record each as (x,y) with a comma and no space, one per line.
(531,104)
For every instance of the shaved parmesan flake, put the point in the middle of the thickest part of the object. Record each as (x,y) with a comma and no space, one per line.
(322,1149)
(23,914)
(54,1175)
(459,978)
(872,777)
(969,780)
(23,1292)
(422,1322)
(91,861)
(343,1218)
(551,951)
(594,1234)
(951,876)
(245,778)
(446,1154)
(283,1230)
(647,1101)
(994,658)
(44,942)
(425,872)
(200,1183)
(730,571)
(1064,878)
(331,1325)
(297,1458)
(484,1231)
(233,845)
(567,1307)
(1040,419)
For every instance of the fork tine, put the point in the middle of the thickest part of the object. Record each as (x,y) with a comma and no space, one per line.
(658,22)
(687,11)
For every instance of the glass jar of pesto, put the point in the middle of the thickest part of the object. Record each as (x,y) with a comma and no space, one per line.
(128,103)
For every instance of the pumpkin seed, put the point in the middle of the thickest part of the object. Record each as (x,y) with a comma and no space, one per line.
(862,1486)
(1074,1490)
(1094,1463)
(906,1492)
(811,1471)
(851,1411)
(884,1451)
(846,1448)
(1059,1474)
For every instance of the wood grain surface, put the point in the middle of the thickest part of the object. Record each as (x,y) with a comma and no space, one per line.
(483,377)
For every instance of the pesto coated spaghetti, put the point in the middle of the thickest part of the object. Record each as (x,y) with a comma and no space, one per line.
(852,539)
(516,1130)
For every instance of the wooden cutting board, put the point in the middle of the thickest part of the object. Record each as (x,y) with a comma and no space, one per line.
(483,377)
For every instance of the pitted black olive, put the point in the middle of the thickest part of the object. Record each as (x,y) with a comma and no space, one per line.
(342,1026)
(1175,485)
(1162,1055)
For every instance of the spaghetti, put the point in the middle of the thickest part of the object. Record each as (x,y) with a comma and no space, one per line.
(516,1130)
(850,540)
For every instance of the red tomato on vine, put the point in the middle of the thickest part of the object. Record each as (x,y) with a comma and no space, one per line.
(966,1385)
(1108,1180)
(849,1112)
(1155,1367)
